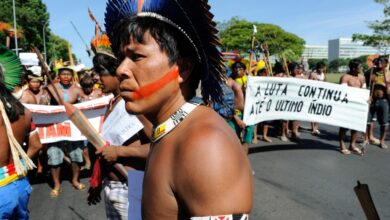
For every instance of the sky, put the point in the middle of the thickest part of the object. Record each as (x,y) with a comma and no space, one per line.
(314,21)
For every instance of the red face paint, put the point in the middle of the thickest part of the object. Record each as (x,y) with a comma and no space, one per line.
(151,88)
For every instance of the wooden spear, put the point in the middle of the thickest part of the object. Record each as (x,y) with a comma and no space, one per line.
(251,50)
(79,119)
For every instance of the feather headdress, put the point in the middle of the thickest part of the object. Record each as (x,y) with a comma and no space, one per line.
(11,68)
(102,44)
(192,18)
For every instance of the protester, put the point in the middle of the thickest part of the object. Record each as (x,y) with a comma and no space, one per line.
(318,74)
(15,189)
(263,73)
(58,151)
(245,133)
(35,83)
(90,93)
(279,71)
(132,156)
(87,85)
(233,98)
(36,94)
(296,71)
(165,49)
(380,84)
(353,78)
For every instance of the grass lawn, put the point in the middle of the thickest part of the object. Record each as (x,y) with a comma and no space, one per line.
(333,77)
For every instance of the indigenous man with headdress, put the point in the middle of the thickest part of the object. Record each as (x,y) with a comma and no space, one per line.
(35,94)
(136,148)
(56,152)
(16,127)
(196,168)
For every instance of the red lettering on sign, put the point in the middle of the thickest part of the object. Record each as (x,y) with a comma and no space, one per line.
(51,131)
(63,130)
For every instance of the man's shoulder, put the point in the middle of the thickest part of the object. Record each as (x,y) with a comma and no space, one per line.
(208,133)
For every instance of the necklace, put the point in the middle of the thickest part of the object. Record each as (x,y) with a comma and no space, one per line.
(163,129)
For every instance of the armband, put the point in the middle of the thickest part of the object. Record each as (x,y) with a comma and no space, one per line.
(227,217)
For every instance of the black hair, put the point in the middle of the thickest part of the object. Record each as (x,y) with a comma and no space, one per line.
(292,66)
(235,66)
(104,64)
(320,65)
(86,84)
(354,63)
(278,68)
(170,40)
(12,106)
(383,58)
(238,65)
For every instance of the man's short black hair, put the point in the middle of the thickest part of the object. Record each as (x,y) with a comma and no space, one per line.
(354,63)
(238,65)
(104,64)
(383,58)
(320,65)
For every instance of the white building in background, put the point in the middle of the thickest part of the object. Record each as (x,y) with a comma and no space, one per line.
(346,48)
(315,52)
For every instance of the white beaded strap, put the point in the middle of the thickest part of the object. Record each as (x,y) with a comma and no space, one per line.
(17,151)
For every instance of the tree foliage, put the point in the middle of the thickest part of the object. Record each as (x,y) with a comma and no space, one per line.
(31,16)
(381,28)
(236,34)
(58,49)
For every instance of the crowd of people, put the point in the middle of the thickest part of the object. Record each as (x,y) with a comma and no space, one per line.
(374,79)
(194,168)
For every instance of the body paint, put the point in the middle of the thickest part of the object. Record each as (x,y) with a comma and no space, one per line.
(151,88)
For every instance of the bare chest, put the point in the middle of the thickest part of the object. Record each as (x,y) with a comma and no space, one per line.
(354,82)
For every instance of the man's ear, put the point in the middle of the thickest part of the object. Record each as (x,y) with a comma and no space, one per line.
(186,65)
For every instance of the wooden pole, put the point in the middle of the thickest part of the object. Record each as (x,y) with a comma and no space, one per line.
(251,54)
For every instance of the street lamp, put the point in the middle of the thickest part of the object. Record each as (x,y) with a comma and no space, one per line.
(44,39)
(16,32)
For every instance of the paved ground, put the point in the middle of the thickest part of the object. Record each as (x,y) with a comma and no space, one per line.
(306,180)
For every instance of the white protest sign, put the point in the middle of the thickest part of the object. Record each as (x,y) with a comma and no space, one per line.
(119,126)
(53,125)
(274,98)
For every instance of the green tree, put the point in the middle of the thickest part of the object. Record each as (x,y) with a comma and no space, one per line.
(31,15)
(58,49)
(237,34)
(381,29)
(335,65)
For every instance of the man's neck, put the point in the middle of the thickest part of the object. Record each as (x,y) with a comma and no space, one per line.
(35,92)
(64,86)
(168,109)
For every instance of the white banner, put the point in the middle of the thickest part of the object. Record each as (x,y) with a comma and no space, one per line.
(274,98)
(53,124)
